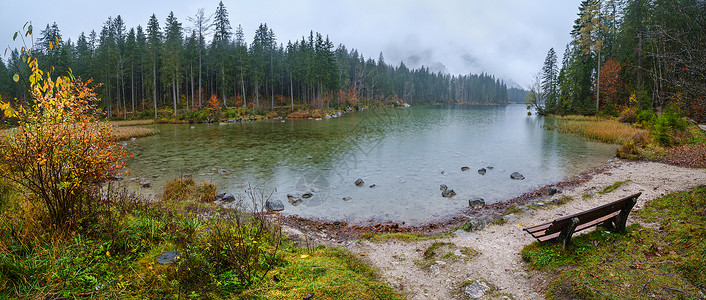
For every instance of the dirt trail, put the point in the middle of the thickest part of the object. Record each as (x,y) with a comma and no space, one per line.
(498,264)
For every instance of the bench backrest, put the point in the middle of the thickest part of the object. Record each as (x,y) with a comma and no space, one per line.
(592,214)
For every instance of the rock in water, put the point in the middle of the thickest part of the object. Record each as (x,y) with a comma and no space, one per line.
(347,198)
(307,195)
(146,184)
(373,185)
(293,196)
(517,176)
(443,187)
(448,193)
(295,202)
(228,197)
(482,171)
(274,205)
(465,168)
(476,202)
(359,182)
(552,190)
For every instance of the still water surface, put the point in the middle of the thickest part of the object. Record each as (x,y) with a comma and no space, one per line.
(405,152)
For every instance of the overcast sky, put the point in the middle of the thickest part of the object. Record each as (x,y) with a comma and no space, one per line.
(506,38)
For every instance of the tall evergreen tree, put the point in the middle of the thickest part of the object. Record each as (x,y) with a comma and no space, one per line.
(154,45)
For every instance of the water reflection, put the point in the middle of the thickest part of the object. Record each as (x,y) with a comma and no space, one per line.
(405,153)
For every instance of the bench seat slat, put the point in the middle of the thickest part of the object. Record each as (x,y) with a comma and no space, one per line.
(539,227)
(543,237)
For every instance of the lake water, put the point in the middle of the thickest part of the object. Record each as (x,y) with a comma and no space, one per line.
(407,153)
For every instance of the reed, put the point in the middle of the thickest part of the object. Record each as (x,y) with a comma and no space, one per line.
(131,123)
(598,129)
(125,133)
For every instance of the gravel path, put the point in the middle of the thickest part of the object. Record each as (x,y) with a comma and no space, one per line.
(498,264)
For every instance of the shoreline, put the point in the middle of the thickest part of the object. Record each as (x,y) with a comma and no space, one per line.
(339,232)
(496,261)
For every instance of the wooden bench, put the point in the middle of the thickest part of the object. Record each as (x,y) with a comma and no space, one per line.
(613,215)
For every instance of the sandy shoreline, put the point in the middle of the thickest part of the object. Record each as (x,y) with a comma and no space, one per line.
(498,263)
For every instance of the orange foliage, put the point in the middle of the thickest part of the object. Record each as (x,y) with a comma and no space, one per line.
(60,152)
(610,83)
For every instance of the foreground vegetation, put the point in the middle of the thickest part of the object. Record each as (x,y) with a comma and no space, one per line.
(222,253)
(664,263)
(66,232)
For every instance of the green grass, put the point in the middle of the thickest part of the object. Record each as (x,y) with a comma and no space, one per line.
(669,263)
(402,236)
(613,187)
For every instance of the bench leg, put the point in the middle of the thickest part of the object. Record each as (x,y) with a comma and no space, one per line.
(622,218)
(566,232)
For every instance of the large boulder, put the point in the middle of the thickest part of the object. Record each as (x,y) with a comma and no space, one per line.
(448,193)
(274,205)
(359,182)
(476,202)
(517,176)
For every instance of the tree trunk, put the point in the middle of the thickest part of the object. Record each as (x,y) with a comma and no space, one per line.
(154,85)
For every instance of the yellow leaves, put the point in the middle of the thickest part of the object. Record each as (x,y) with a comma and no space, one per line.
(107,253)
(7,109)
(304,256)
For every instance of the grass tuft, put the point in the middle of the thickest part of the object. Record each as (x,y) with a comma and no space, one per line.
(598,129)
(613,187)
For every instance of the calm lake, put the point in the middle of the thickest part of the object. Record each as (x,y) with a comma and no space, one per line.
(405,152)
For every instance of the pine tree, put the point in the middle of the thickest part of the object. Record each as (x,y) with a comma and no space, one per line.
(549,84)
(154,45)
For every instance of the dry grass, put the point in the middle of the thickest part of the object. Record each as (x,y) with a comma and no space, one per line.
(131,123)
(598,129)
(125,133)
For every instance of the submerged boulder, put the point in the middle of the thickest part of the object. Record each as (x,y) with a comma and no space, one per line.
(294,196)
(517,176)
(274,205)
(448,193)
(307,195)
(476,202)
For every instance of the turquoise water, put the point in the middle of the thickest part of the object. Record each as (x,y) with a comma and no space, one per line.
(405,152)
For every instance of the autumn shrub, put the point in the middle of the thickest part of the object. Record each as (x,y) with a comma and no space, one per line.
(628,115)
(59,152)
(631,149)
(186,188)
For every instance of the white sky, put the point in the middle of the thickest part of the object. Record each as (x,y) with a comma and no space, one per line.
(506,38)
